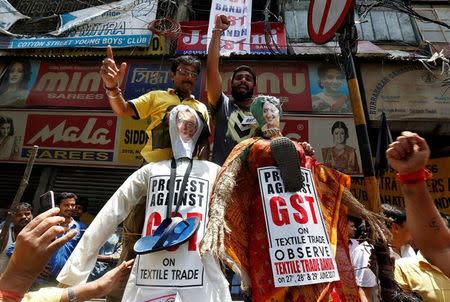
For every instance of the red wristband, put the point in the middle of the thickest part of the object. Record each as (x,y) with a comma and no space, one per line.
(11,295)
(414,177)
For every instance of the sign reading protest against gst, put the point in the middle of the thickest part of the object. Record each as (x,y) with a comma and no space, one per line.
(237,36)
(180,266)
(299,249)
(390,190)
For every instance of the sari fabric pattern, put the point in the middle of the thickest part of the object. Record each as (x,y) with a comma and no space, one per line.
(246,242)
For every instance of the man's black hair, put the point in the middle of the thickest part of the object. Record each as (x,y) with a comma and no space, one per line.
(64,195)
(186,60)
(22,206)
(246,68)
(395,214)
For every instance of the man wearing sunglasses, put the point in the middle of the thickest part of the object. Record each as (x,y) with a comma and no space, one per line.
(184,73)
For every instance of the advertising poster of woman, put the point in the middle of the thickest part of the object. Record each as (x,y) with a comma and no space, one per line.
(16,80)
(333,137)
(329,91)
(9,138)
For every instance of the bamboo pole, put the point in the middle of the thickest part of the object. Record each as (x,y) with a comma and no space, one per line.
(23,185)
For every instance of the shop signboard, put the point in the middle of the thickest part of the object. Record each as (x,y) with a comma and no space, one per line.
(390,190)
(193,39)
(70,138)
(406,92)
(285,80)
(144,76)
(119,24)
(302,87)
(68,85)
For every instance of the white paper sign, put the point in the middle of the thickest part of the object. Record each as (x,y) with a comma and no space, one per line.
(236,39)
(299,248)
(180,266)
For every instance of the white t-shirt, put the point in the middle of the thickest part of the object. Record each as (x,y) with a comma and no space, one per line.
(405,251)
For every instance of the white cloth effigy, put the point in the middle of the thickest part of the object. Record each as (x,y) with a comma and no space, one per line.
(151,181)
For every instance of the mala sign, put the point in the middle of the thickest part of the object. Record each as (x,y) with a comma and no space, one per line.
(299,250)
(325,17)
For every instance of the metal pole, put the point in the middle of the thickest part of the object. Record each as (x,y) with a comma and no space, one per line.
(347,38)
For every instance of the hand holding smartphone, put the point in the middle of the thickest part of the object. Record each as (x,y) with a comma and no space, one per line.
(47,201)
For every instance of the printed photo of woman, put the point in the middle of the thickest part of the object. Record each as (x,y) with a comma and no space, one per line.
(341,156)
(14,81)
(333,96)
(8,145)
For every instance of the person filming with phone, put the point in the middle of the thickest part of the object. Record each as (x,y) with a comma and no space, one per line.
(66,202)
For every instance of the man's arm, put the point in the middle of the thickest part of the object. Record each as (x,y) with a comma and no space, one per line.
(100,287)
(112,76)
(83,258)
(409,154)
(214,80)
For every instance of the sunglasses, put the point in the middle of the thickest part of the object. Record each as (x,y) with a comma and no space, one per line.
(187,73)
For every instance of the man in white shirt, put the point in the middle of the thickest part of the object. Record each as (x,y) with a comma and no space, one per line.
(399,247)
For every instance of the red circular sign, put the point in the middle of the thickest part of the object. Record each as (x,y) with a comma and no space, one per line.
(325,17)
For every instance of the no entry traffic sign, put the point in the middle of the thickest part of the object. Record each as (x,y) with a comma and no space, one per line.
(325,17)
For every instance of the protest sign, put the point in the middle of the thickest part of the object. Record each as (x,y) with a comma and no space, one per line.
(299,247)
(237,37)
(179,266)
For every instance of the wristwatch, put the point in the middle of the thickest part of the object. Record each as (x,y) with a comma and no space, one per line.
(72,296)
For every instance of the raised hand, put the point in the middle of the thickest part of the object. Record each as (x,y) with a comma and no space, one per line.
(409,153)
(309,150)
(111,74)
(222,22)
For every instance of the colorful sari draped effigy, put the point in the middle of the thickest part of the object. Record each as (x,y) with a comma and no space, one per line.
(237,231)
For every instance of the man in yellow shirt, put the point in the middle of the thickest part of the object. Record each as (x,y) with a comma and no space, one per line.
(416,274)
(154,104)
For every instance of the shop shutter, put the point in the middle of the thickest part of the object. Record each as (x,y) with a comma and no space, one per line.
(10,177)
(97,184)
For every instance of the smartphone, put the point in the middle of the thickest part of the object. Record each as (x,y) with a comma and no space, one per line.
(47,201)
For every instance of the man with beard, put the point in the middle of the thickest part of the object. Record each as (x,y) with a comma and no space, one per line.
(233,119)
(20,218)
(153,105)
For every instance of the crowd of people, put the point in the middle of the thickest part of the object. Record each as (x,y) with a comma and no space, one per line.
(93,257)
